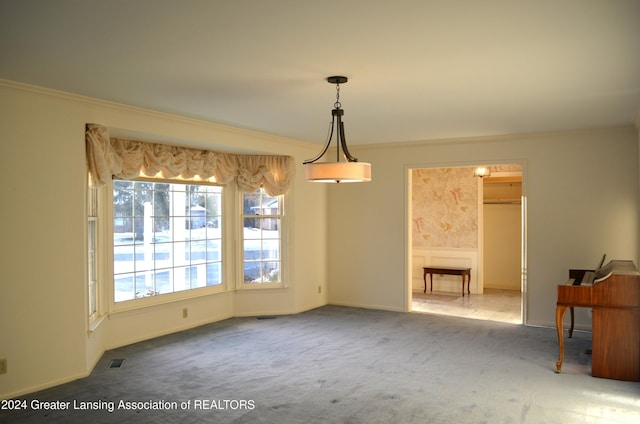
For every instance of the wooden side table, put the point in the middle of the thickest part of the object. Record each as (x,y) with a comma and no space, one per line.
(449,270)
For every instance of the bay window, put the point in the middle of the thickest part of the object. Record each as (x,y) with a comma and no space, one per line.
(174,221)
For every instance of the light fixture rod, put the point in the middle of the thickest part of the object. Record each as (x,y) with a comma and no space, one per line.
(326,146)
(336,115)
(343,142)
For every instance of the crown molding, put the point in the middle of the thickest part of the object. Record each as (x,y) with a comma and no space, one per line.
(122,107)
(497,137)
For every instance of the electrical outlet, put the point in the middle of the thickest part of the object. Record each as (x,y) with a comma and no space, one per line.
(3,366)
(319,289)
(185,312)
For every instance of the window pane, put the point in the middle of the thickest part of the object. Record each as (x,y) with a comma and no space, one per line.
(252,271)
(213,226)
(198,276)
(198,251)
(251,203)
(92,236)
(124,287)
(122,230)
(162,255)
(165,236)
(144,284)
(180,252)
(122,200)
(214,274)
(162,281)
(271,249)
(144,257)
(123,259)
(179,230)
(251,224)
(271,272)
(213,250)
(92,298)
(252,250)
(261,237)
(181,278)
(270,205)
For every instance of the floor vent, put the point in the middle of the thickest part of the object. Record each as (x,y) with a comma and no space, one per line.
(266,317)
(116,363)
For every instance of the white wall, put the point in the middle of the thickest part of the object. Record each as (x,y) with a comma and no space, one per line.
(43,320)
(582,197)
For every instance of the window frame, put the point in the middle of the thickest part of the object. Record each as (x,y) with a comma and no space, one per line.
(232,250)
(165,298)
(97,212)
(282,217)
(93,254)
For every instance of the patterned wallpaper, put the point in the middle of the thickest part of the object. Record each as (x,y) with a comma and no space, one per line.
(445,208)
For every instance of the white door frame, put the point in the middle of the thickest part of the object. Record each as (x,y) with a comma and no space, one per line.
(408,287)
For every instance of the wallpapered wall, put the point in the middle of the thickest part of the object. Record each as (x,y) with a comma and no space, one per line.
(444,208)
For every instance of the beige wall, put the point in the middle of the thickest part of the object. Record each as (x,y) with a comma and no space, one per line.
(44,333)
(502,246)
(581,192)
(352,239)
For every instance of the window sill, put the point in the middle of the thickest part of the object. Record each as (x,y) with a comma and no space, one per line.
(141,304)
(94,324)
(262,286)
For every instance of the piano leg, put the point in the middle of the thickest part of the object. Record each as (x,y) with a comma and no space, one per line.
(560,311)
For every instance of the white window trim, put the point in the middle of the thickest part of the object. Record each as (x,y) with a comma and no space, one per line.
(145,302)
(95,319)
(284,258)
(232,264)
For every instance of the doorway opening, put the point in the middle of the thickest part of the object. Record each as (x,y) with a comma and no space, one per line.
(461,221)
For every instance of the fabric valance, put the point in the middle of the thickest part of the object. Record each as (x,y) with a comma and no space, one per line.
(109,158)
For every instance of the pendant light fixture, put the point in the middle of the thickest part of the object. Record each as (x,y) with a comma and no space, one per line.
(347,171)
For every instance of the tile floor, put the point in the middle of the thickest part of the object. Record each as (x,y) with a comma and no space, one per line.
(493,305)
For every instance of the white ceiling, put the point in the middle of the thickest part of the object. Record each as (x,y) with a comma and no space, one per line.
(417,70)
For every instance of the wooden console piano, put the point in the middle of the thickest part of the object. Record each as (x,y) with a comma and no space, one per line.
(613,293)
